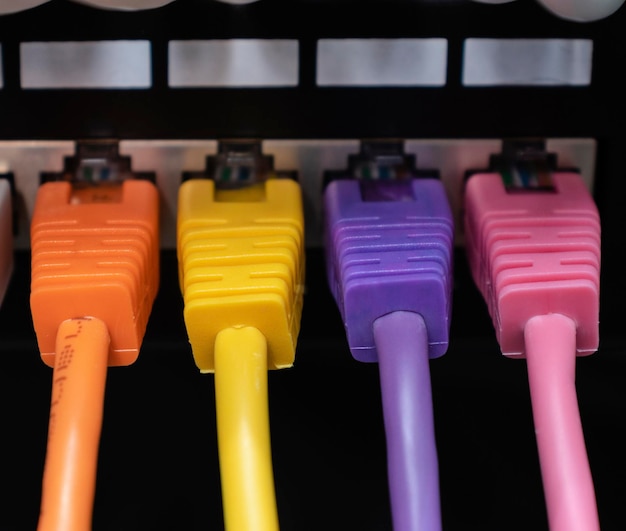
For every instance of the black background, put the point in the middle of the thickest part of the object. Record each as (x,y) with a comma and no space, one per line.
(158,458)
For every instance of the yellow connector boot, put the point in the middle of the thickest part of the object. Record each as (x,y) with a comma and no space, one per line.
(240,255)
(241,268)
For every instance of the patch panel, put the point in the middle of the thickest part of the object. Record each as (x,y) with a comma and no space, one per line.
(309,157)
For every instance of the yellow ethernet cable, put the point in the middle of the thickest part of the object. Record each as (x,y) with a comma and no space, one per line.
(240,245)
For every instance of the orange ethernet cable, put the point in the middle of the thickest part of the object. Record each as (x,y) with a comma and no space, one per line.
(75,423)
(240,245)
(95,273)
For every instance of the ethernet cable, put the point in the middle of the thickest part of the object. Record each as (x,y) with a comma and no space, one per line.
(389,240)
(95,274)
(533,243)
(241,266)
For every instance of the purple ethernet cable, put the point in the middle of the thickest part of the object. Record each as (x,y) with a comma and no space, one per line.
(389,265)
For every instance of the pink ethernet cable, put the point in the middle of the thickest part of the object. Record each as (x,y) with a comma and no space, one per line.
(535,256)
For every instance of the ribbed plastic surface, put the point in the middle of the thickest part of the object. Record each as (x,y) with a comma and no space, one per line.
(241,263)
(95,259)
(535,253)
(386,256)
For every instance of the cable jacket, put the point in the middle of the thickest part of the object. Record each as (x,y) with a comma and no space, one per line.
(402,344)
(550,342)
(79,378)
(243,430)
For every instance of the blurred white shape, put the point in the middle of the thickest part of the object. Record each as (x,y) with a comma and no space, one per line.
(582,10)
(125,5)
(381,62)
(527,62)
(494,1)
(233,63)
(238,2)
(13,6)
(97,64)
